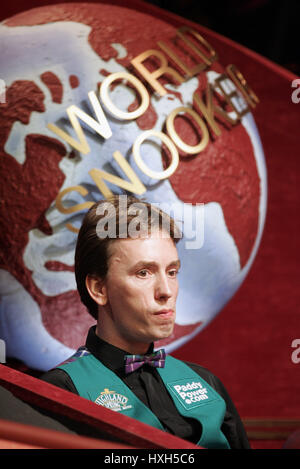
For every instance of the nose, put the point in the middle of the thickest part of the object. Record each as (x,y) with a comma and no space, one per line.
(163,290)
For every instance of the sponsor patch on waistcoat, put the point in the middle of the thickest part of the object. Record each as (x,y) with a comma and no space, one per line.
(113,400)
(192,394)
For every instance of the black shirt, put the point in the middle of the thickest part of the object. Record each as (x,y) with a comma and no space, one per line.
(148,386)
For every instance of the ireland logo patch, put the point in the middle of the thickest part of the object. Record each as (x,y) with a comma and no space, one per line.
(192,394)
(113,400)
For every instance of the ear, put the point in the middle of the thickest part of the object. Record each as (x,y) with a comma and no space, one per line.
(97,289)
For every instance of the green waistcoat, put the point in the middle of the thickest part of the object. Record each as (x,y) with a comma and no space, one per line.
(191,394)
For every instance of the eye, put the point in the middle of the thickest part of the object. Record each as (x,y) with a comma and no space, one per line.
(173,272)
(143,273)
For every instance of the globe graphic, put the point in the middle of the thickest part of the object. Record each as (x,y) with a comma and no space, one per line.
(52,58)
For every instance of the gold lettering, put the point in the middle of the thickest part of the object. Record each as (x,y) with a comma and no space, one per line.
(212,109)
(191,150)
(74,208)
(208,109)
(231,96)
(188,72)
(212,54)
(152,77)
(206,60)
(143,167)
(133,185)
(242,85)
(138,85)
(101,127)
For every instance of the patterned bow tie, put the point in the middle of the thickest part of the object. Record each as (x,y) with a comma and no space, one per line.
(156,359)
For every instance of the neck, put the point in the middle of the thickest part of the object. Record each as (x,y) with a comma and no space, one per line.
(134,348)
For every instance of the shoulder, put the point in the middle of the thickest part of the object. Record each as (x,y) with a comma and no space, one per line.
(232,427)
(59,378)
(206,374)
(213,380)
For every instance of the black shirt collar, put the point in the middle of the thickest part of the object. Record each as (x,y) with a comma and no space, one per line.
(112,357)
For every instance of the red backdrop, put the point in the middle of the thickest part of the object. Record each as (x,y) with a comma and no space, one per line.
(249,344)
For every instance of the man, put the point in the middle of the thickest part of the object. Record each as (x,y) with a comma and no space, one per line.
(126,266)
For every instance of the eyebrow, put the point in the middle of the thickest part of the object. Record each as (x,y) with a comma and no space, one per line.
(150,264)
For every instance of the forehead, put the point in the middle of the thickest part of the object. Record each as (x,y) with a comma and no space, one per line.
(155,248)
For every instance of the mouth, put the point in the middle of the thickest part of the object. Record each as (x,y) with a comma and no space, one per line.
(165,313)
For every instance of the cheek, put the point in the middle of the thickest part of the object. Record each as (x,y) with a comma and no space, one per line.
(145,299)
(138,299)
(176,288)
(128,297)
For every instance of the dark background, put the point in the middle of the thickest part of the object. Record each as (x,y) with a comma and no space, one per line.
(269,27)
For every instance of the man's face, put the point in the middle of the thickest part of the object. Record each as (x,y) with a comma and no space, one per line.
(141,287)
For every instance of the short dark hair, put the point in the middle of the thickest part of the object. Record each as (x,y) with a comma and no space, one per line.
(92,248)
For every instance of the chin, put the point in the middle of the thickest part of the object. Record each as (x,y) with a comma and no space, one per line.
(164,333)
